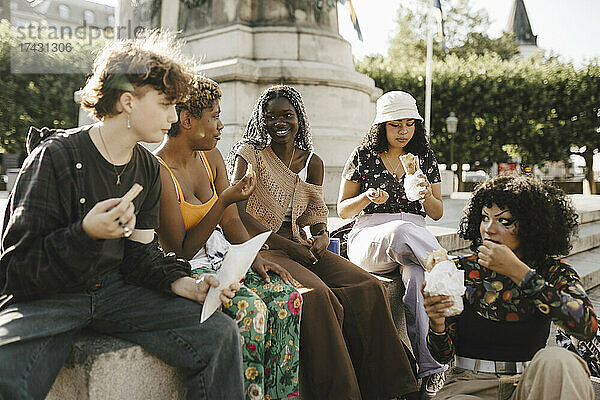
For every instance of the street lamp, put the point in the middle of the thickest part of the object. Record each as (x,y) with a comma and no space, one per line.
(451,125)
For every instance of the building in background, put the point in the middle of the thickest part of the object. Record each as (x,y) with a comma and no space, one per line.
(518,23)
(71,13)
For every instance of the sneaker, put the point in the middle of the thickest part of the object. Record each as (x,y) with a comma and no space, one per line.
(431,384)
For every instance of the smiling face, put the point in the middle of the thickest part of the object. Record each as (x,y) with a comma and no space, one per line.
(281,120)
(399,132)
(499,226)
(206,130)
(152,115)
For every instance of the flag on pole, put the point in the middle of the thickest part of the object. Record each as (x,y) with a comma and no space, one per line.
(439,16)
(353,17)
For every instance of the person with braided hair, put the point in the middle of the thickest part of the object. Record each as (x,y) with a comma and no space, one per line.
(196,196)
(349,346)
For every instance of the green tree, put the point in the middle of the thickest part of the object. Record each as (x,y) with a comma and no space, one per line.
(582,111)
(38,99)
(466,34)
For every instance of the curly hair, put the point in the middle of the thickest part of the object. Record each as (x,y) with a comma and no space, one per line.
(203,93)
(546,219)
(154,59)
(376,140)
(256,130)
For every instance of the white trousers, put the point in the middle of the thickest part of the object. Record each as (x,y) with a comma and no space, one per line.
(380,243)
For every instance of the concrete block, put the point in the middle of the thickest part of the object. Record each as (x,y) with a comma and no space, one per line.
(104,367)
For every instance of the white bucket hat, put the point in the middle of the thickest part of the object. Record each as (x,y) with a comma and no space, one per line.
(396,105)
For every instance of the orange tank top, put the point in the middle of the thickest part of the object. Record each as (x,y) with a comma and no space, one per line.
(193,213)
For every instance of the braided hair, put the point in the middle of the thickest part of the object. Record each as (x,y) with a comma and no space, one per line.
(204,93)
(256,130)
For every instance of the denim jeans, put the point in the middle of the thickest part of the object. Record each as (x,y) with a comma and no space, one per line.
(37,336)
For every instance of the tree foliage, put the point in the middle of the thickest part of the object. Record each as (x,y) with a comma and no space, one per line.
(466,34)
(37,99)
(532,109)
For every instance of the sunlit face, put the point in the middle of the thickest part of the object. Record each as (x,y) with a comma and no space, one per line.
(281,120)
(207,129)
(499,226)
(151,116)
(399,132)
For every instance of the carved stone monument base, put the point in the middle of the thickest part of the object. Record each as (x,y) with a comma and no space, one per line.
(339,101)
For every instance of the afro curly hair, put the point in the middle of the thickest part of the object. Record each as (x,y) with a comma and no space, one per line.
(203,94)
(545,217)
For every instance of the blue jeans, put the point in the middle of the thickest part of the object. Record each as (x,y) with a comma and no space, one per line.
(37,336)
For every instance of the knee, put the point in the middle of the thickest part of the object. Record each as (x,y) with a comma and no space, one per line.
(556,360)
(319,299)
(226,329)
(373,286)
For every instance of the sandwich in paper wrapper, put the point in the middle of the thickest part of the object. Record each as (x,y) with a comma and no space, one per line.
(443,278)
(410,162)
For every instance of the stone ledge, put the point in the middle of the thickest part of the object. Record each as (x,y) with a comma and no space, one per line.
(104,367)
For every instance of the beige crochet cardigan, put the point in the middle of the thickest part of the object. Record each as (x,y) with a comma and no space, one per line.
(276,185)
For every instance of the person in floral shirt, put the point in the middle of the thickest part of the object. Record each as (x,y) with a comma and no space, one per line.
(516,285)
(389,230)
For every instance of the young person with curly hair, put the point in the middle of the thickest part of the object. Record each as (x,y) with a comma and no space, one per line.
(519,227)
(350,348)
(389,230)
(196,196)
(76,254)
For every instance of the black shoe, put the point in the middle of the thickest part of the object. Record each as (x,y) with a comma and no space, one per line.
(432,384)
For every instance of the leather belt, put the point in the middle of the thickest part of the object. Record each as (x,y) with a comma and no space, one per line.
(494,367)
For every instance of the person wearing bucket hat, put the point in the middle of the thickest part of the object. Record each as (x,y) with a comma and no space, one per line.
(396,105)
(389,230)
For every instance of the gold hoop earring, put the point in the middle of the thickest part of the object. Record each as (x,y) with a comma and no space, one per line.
(128,122)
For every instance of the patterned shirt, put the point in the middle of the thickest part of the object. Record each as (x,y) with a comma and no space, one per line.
(502,313)
(367,168)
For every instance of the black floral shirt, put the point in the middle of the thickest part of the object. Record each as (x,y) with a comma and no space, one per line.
(554,293)
(368,169)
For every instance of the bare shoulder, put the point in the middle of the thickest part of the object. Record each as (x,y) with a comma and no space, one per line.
(315,170)
(315,162)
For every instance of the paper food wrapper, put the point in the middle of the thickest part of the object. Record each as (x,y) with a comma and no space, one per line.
(235,265)
(411,185)
(445,279)
(410,162)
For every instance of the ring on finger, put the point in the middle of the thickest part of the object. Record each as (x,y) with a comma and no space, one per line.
(126,231)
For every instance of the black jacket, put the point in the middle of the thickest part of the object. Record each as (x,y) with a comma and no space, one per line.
(44,248)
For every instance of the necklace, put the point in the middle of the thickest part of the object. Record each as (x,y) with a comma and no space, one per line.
(292,158)
(118,174)
(394,171)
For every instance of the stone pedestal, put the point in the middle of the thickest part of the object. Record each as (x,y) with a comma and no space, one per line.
(249,45)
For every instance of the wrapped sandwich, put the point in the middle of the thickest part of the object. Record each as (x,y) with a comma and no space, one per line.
(443,278)
(410,162)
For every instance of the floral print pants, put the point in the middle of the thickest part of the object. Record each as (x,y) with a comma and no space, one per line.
(268,316)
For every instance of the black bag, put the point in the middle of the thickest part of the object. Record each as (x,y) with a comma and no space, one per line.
(342,234)
(589,350)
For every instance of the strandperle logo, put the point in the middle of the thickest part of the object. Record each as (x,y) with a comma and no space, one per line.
(44,48)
